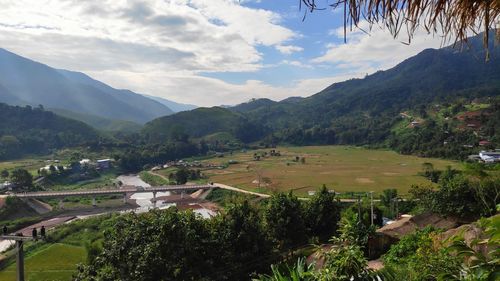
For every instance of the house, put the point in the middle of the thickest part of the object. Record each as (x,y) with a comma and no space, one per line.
(490,156)
(104,164)
(47,168)
(484,143)
(414,124)
(6,185)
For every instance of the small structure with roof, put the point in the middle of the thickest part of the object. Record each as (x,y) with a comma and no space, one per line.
(104,163)
(490,156)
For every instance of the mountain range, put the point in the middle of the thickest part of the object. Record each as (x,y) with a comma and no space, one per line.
(26,82)
(429,85)
(356,111)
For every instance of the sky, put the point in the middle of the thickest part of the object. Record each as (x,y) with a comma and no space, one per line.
(202,52)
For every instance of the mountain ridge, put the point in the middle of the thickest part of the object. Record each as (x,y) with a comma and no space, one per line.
(24,81)
(363,111)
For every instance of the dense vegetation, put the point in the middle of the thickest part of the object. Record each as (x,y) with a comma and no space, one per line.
(26,130)
(245,238)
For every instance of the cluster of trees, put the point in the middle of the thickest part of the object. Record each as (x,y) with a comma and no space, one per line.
(460,195)
(172,245)
(20,178)
(136,157)
(183,175)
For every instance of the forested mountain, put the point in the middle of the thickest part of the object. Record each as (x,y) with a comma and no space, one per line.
(23,81)
(202,122)
(252,105)
(26,130)
(367,111)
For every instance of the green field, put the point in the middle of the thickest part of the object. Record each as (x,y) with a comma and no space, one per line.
(342,168)
(32,165)
(54,263)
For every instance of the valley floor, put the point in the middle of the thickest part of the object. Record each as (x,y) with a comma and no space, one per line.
(342,168)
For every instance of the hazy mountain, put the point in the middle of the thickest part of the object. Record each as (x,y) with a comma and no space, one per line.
(174,106)
(24,81)
(7,97)
(100,123)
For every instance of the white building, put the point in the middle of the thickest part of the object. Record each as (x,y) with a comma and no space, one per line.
(490,156)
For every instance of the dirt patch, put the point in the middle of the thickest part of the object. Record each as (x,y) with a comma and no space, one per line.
(364,180)
(390,174)
(221,172)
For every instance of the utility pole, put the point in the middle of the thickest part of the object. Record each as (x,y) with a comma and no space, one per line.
(397,207)
(19,253)
(20,239)
(359,207)
(371,205)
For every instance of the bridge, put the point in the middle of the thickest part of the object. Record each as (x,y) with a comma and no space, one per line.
(124,190)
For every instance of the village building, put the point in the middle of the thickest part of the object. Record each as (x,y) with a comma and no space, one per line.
(104,163)
(490,156)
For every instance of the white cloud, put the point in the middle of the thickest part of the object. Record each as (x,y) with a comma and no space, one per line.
(184,87)
(377,49)
(289,49)
(296,63)
(156,47)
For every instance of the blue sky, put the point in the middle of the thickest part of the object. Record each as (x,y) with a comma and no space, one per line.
(313,36)
(204,52)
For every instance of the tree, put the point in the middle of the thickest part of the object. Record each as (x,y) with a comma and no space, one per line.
(21,178)
(181,176)
(4,174)
(454,19)
(387,196)
(243,244)
(284,220)
(322,214)
(459,196)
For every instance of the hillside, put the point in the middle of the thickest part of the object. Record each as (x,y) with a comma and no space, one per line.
(100,123)
(26,130)
(252,105)
(23,81)
(201,122)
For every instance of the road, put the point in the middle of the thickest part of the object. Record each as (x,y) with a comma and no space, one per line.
(232,188)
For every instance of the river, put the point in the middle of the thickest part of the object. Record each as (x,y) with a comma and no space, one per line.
(143,199)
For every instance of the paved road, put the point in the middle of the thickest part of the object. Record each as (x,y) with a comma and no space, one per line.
(232,188)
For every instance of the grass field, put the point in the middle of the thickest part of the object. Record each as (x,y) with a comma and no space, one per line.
(54,263)
(32,165)
(341,168)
